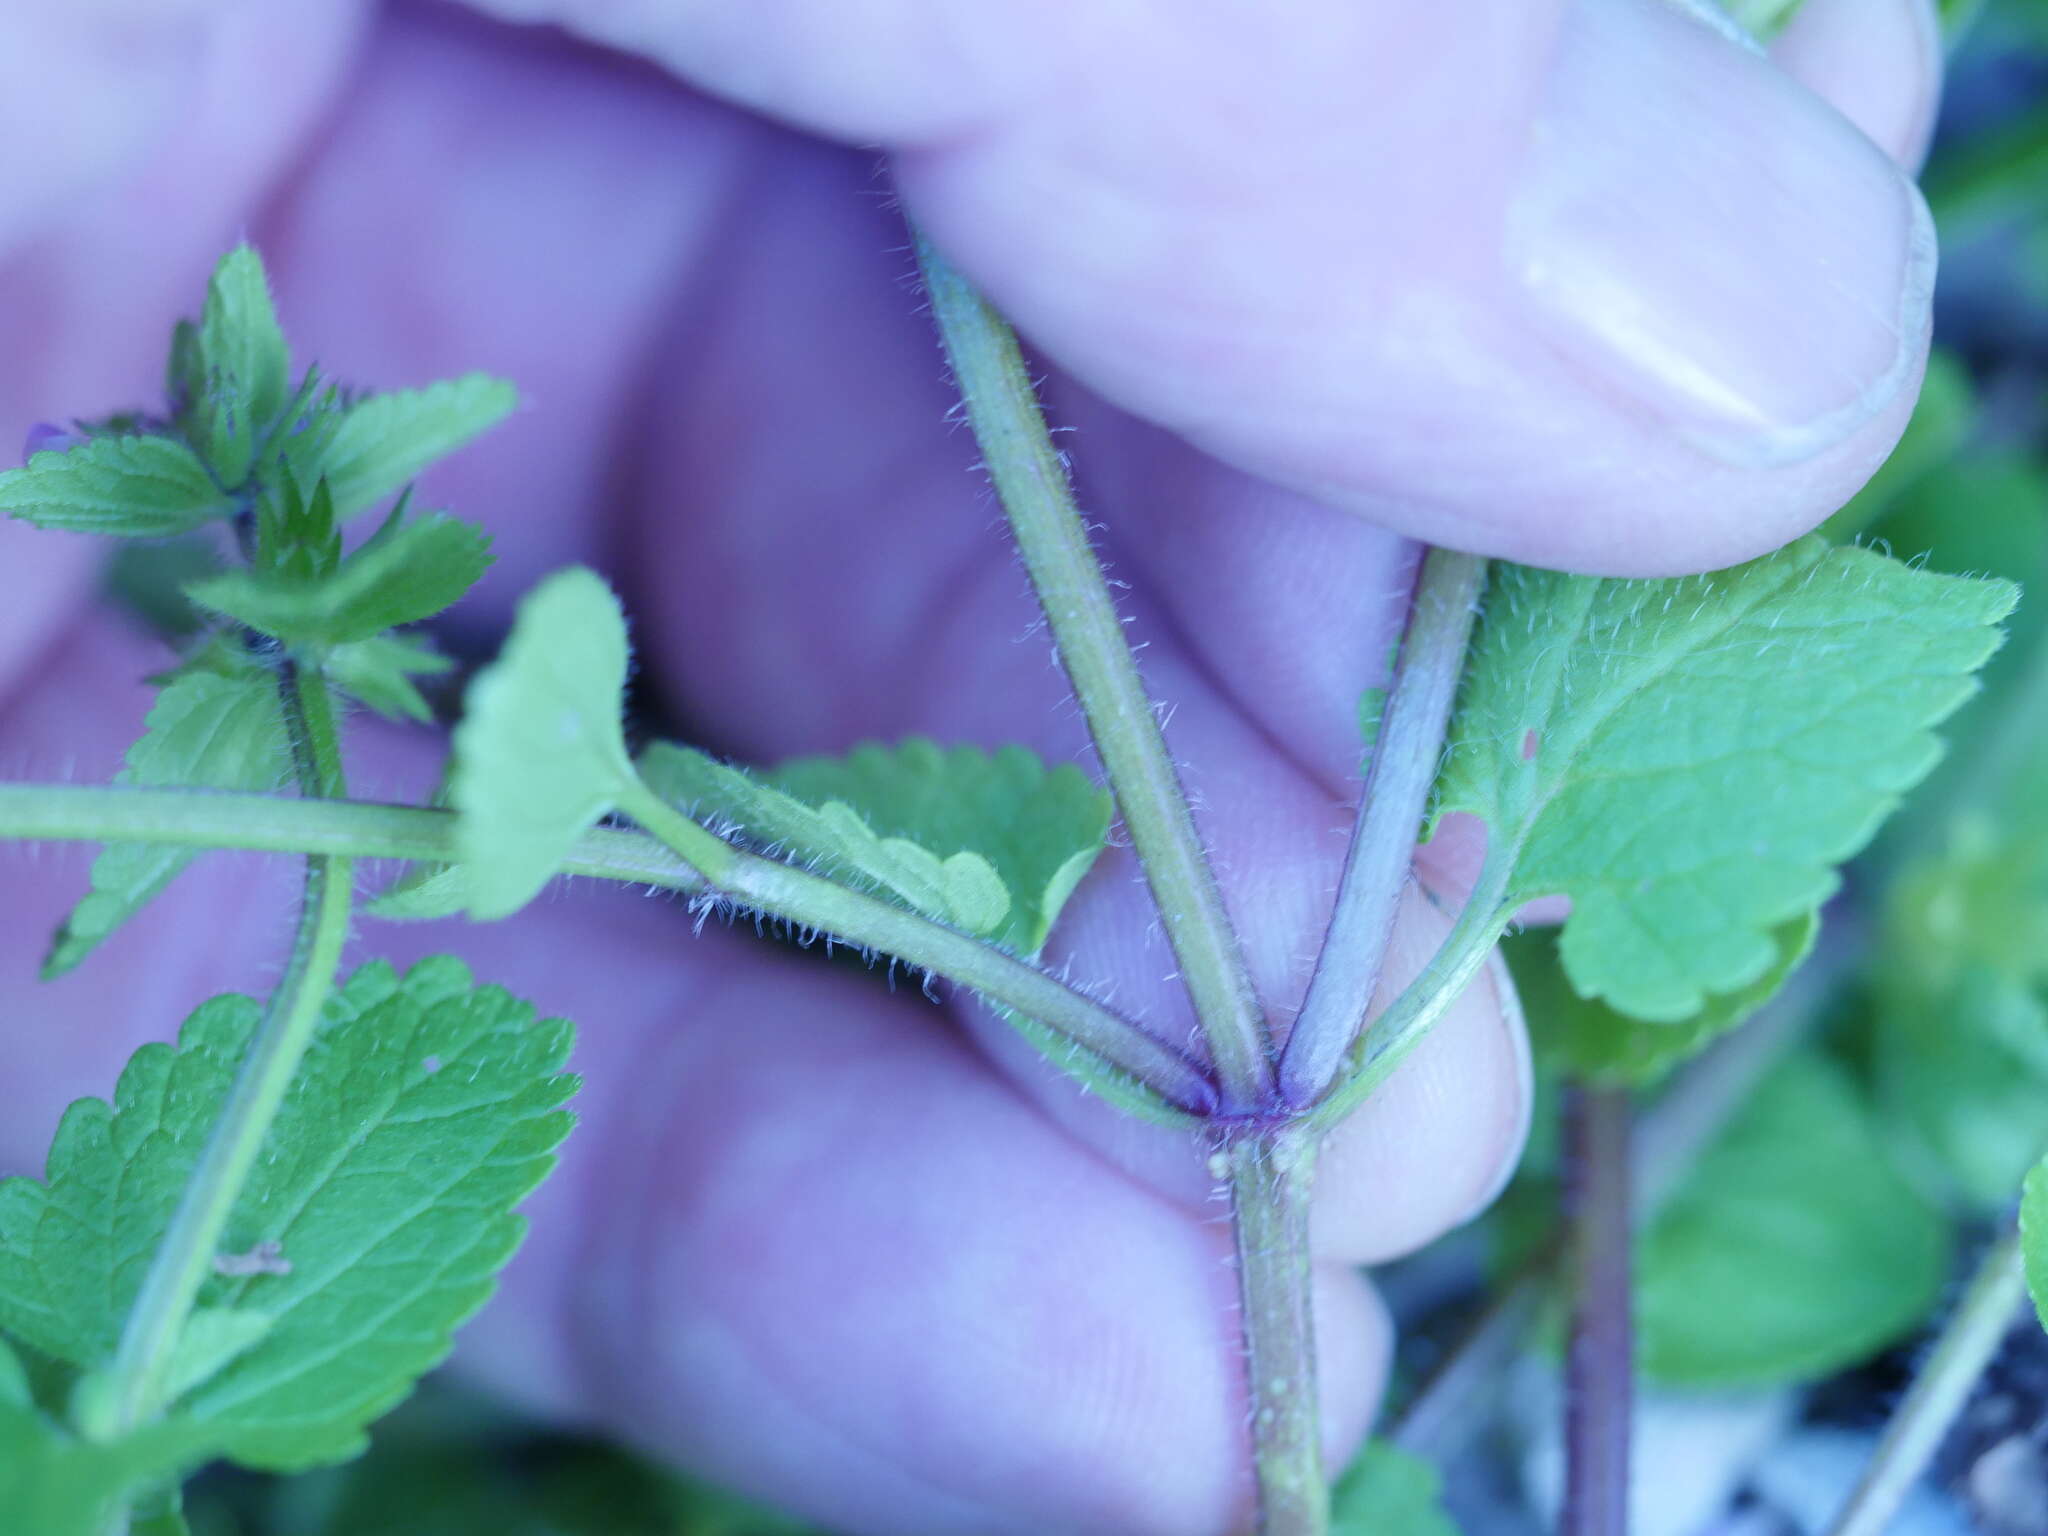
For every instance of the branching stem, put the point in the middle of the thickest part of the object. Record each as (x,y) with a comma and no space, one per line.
(811,901)
(1404,766)
(271,823)
(1031,481)
(1373,1056)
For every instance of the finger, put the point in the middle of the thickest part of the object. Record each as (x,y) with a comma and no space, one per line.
(808,558)
(1877,62)
(156,129)
(821,1251)
(804,1235)
(1582,284)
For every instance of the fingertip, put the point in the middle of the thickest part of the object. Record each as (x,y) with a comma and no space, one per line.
(1877,62)
(1354,1358)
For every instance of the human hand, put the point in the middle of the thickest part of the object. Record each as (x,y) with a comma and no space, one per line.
(815,1239)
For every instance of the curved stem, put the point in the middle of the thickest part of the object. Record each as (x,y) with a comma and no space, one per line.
(1031,481)
(1270,1182)
(1971,1337)
(1404,766)
(184,1259)
(193,818)
(811,901)
(1389,1038)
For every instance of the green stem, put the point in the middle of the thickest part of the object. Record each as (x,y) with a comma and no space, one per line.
(258,823)
(1387,1042)
(268,823)
(1270,1182)
(811,901)
(184,1259)
(1971,1337)
(194,818)
(1031,481)
(1376,870)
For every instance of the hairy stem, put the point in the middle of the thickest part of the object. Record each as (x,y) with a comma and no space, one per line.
(202,818)
(1600,1362)
(1270,1181)
(1970,1338)
(1373,1056)
(1404,766)
(185,1257)
(1031,481)
(262,823)
(195,818)
(812,901)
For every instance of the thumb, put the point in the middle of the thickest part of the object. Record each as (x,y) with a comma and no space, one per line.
(1581,282)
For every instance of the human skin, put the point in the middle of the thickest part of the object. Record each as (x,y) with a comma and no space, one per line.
(1587,285)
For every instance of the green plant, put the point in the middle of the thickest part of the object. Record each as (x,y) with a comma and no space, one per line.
(273,1229)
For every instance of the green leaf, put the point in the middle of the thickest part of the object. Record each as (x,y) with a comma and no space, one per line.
(1960,1024)
(298,539)
(1588,1039)
(1960,1066)
(138,487)
(992,843)
(162,1513)
(1387,1492)
(208,729)
(244,364)
(213,1338)
(14,1388)
(962,889)
(379,672)
(540,754)
(1792,1249)
(426,892)
(52,1484)
(148,580)
(1689,759)
(386,440)
(408,571)
(240,341)
(373,1224)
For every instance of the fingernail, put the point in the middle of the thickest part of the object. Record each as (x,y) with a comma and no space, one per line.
(1711,243)
(1712,14)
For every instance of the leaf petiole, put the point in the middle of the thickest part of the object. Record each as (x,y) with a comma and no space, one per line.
(1404,766)
(811,901)
(1374,1055)
(138,1377)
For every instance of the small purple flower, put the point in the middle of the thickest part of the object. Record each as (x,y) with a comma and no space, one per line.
(45,438)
